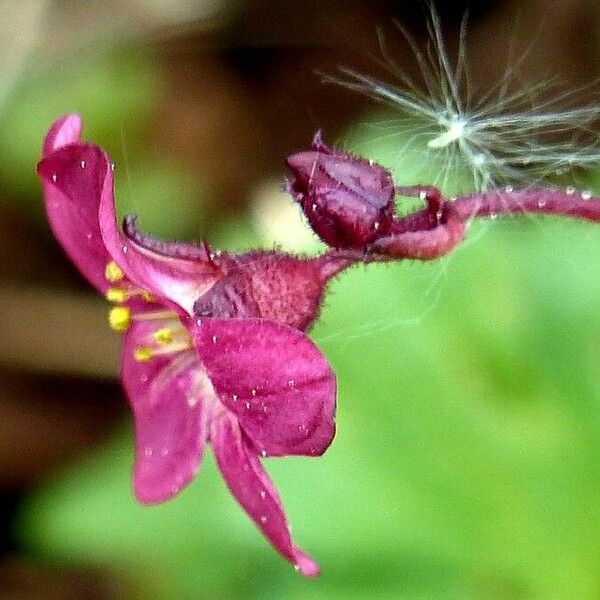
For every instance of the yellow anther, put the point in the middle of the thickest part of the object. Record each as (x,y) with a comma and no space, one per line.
(113,272)
(119,318)
(163,336)
(116,295)
(143,354)
(148,297)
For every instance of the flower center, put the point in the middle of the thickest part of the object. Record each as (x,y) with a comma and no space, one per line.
(169,337)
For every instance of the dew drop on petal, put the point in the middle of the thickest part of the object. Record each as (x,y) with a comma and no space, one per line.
(263,453)
(263,519)
(234,397)
(263,494)
(253,391)
(586,195)
(248,405)
(508,189)
(82,164)
(569,191)
(314,207)
(541,203)
(214,339)
(125,249)
(54,177)
(112,166)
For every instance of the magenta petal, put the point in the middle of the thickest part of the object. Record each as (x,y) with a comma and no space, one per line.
(274,379)
(72,179)
(169,398)
(180,280)
(255,492)
(78,186)
(64,131)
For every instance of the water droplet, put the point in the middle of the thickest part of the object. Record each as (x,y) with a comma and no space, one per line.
(569,191)
(263,453)
(493,215)
(314,207)
(586,195)
(214,339)
(263,519)
(82,164)
(192,400)
(253,391)
(291,383)
(248,405)
(370,162)
(112,166)
(54,177)
(125,249)
(296,567)
(376,225)
(263,494)
(234,397)
(422,195)
(541,202)
(508,189)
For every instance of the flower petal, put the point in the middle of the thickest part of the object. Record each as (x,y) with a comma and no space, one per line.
(169,397)
(274,379)
(78,185)
(72,178)
(255,492)
(64,131)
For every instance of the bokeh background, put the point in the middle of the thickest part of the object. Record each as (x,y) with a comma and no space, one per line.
(467,459)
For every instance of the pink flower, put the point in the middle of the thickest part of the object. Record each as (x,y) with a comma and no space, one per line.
(213,344)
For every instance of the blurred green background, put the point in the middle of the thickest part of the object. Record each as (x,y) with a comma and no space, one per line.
(467,458)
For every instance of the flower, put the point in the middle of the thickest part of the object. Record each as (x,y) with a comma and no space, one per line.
(213,344)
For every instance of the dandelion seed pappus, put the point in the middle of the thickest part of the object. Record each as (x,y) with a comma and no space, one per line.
(509,135)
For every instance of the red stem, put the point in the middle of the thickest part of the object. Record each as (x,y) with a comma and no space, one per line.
(568,203)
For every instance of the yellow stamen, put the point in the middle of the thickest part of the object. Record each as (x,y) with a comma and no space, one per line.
(119,318)
(148,297)
(143,354)
(163,335)
(155,316)
(113,272)
(116,295)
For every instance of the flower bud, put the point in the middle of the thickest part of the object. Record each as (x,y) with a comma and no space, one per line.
(348,201)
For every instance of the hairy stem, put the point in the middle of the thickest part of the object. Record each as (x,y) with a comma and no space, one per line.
(567,203)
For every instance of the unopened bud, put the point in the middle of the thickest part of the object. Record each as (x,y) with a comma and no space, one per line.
(348,201)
